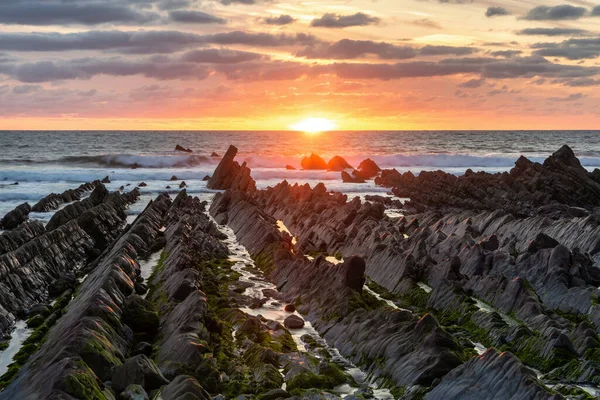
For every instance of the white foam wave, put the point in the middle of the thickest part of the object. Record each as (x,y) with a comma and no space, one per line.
(141,160)
(424,160)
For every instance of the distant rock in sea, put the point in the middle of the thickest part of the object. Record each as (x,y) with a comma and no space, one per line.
(313,162)
(183,149)
(338,163)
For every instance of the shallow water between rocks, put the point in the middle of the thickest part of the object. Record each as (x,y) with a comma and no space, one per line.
(19,335)
(274,310)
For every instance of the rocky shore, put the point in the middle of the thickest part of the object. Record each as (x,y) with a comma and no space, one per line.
(485,288)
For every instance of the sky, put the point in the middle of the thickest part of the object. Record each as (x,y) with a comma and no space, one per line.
(267,64)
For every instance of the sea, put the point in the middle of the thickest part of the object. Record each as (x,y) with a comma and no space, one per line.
(44,162)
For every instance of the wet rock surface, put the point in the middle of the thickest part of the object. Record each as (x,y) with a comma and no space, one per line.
(485,287)
(558,186)
(229,174)
(521,284)
(54,200)
(15,217)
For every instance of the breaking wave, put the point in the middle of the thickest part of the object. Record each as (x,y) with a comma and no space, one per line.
(139,160)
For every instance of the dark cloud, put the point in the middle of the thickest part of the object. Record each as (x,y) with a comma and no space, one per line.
(53,12)
(472,83)
(269,71)
(529,67)
(506,53)
(195,17)
(553,32)
(86,68)
(347,49)
(331,20)
(556,13)
(573,49)
(579,82)
(173,4)
(142,42)
(279,20)
(496,12)
(571,97)
(25,89)
(262,39)
(221,56)
(596,11)
(165,68)
(430,50)
(228,2)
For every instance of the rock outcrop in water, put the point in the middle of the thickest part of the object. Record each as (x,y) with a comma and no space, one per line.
(313,162)
(34,257)
(524,285)
(84,346)
(53,200)
(15,217)
(414,301)
(337,163)
(557,187)
(229,174)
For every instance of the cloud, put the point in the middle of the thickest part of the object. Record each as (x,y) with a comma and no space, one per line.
(572,49)
(553,32)
(25,89)
(228,2)
(556,13)
(234,65)
(579,82)
(173,4)
(262,39)
(331,20)
(430,50)
(472,84)
(141,42)
(86,68)
(506,53)
(427,23)
(279,20)
(52,12)
(496,12)
(347,49)
(221,56)
(571,97)
(195,17)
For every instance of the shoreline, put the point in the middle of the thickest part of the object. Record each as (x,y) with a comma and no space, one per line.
(422,291)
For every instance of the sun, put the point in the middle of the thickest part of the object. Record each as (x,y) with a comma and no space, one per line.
(314,125)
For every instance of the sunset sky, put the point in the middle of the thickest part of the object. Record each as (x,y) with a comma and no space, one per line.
(266,64)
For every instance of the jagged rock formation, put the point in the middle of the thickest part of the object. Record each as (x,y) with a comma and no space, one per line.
(314,161)
(477,380)
(53,200)
(414,301)
(90,338)
(12,240)
(15,217)
(557,187)
(230,175)
(33,257)
(337,163)
(534,269)
(367,169)
(183,149)
(332,299)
